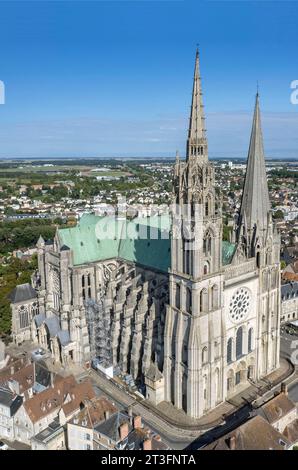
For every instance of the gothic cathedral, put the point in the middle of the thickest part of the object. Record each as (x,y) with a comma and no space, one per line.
(192,319)
(222,321)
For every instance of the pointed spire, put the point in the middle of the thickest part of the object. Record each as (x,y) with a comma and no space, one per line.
(40,242)
(196,142)
(255,203)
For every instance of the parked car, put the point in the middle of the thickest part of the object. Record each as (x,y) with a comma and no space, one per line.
(3,446)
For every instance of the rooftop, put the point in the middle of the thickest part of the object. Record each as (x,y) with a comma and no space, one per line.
(49,433)
(94,412)
(111,427)
(254,434)
(277,407)
(22,293)
(143,240)
(289,290)
(65,394)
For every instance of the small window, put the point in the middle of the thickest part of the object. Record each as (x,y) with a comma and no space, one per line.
(238,378)
(229,350)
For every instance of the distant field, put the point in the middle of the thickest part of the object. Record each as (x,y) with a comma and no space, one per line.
(43,169)
(111,173)
(27,173)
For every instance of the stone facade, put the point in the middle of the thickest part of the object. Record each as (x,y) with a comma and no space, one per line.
(195,327)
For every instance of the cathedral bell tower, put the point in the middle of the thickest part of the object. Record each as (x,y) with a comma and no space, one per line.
(258,238)
(195,279)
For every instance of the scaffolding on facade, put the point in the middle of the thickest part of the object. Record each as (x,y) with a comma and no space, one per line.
(99,329)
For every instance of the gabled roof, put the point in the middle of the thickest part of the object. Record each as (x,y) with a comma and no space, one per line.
(53,325)
(24,377)
(277,408)
(111,427)
(254,434)
(97,238)
(143,240)
(7,397)
(289,291)
(291,432)
(153,372)
(63,336)
(93,412)
(54,398)
(22,293)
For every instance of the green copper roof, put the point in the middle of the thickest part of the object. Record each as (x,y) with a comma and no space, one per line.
(228,250)
(142,240)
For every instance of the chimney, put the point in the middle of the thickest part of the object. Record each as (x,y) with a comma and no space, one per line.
(137,422)
(130,415)
(147,444)
(107,414)
(232,443)
(157,437)
(123,431)
(284,388)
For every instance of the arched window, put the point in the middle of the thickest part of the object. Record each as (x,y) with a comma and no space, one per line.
(89,280)
(83,281)
(217,385)
(205,385)
(207,207)
(177,296)
(206,268)
(229,350)
(250,340)
(216,349)
(239,342)
(230,380)
(34,309)
(187,261)
(23,316)
(207,244)
(204,355)
(192,208)
(214,295)
(188,300)
(204,300)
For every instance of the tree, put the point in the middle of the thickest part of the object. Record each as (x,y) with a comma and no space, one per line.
(283,264)
(278,214)
(226,233)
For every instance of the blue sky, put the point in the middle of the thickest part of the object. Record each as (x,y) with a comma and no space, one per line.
(114,78)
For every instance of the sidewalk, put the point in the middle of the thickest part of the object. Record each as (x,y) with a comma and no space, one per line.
(217,416)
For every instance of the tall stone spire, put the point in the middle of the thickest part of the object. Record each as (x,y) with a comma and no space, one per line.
(196,142)
(255,203)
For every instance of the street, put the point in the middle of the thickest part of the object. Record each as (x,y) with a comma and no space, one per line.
(175,438)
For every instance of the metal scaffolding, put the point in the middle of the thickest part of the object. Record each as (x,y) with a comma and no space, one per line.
(99,329)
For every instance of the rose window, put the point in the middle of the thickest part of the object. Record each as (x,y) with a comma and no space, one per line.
(239,305)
